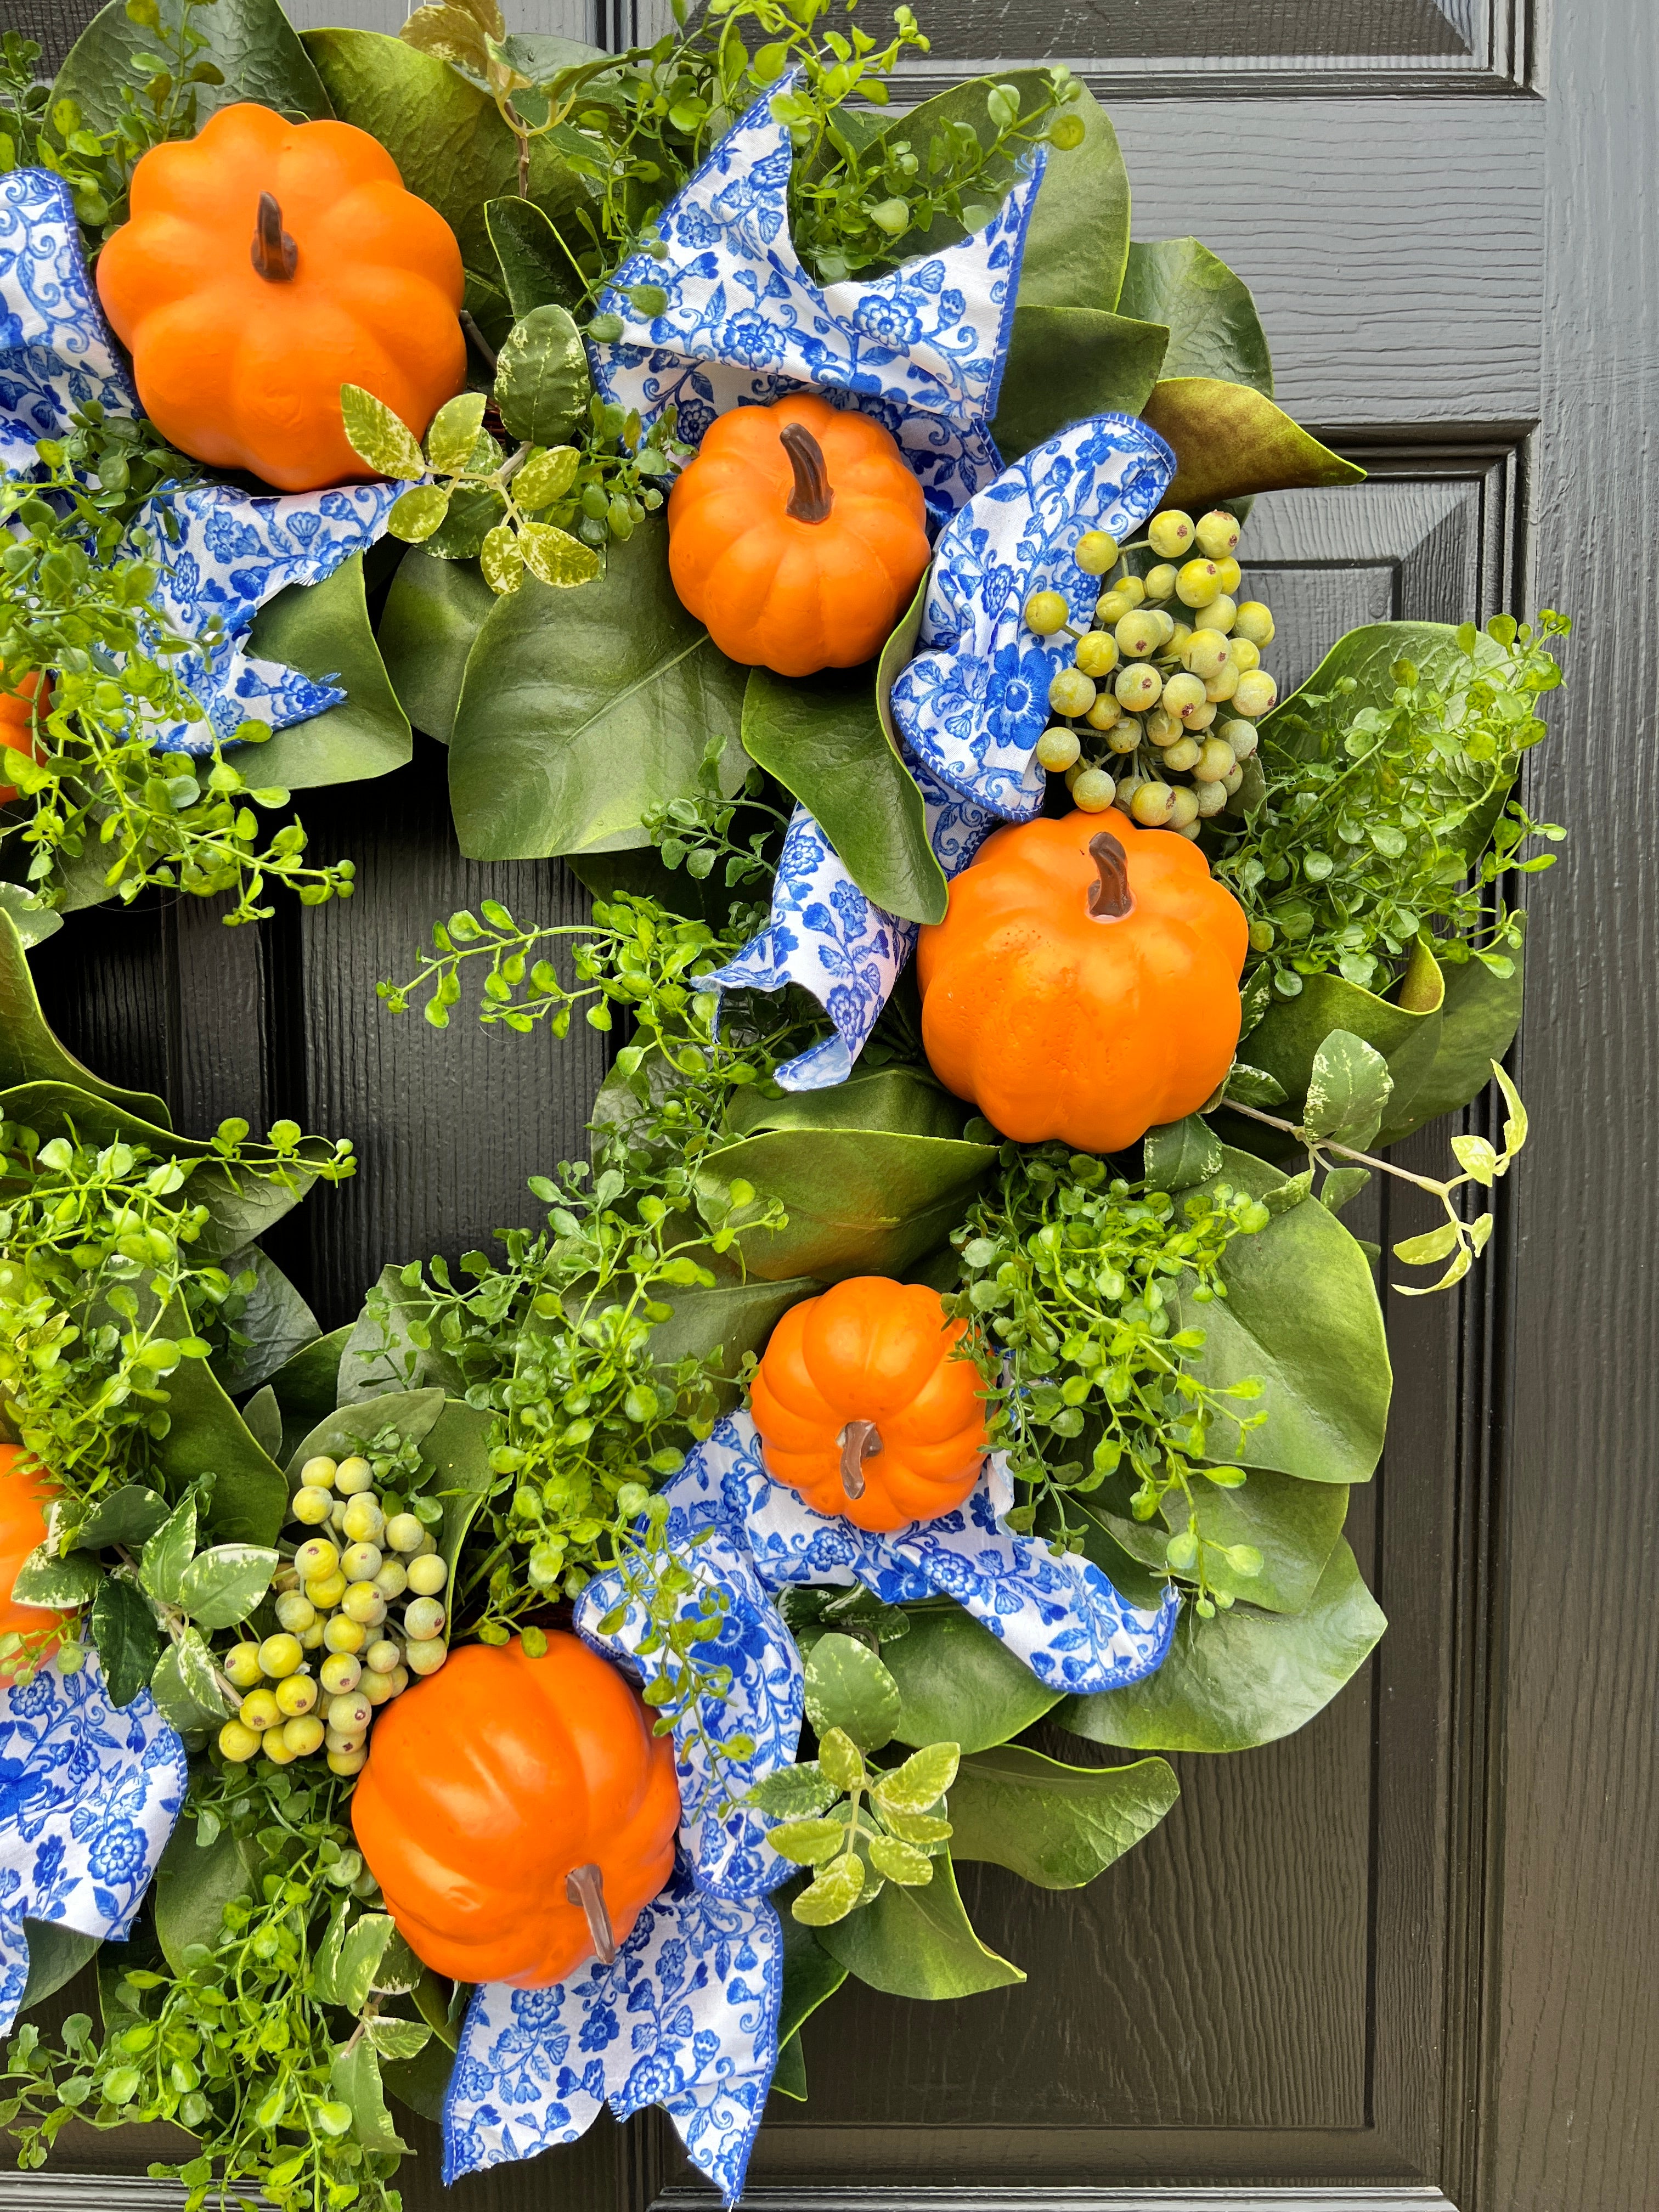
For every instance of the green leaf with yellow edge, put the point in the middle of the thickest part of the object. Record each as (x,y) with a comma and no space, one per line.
(959,1684)
(324,630)
(30,1052)
(1067,362)
(554,556)
(1051,1824)
(378,436)
(822,736)
(1209,313)
(1245,1678)
(355,2078)
(918,1943)
(1230,439)
(432,612)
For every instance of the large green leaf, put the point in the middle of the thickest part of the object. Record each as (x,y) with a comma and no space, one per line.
(810,1975)
(900,1099)
(582,709)
(1066,362)
(276,1322)
(1404,1027)
(918,1943)
(443,131)
(208,1435)
(535,267)
(1230,439)
(412,1414)
(307,1388)
(821,738)
(128,1642)
(1053,1824)
(33,922)
(250,42)
(29,1053)
(860,1201)
(56,1955)
(959,1684)
(1294,1525)
(323,630)
(730,1320)
(432,612)
(1078,242)
(1300,1315)
(1214,329)
(1245,1677)
(1481,1014)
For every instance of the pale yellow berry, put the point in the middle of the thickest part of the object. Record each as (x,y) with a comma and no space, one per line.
(1197,583)
(1097,654)
(353,1476)
(1046,612)
(1217,534)
(1206,654)
(1183,807)
(1183,692)
(428,1575)
(314,1507)
(1140,634)
(1221,613)
(316,1557)
(241,1664)
(319,1474)
(1164,728)
(1056,750)
(311,1638)
(280,1655)
(383,1656)
(303,1735)
(1176,642)
(1165,626)
(1243,738)
(259,1710)
(340,1673)
(362,1601)
(1212,798)
(1254,623)
(378,1687)
(1255,694)
(276,1747)
(1137,686)
(344,1634)
(238,1741)
(296,1612)
(1230,573)
(351,1710)
(426,1658)
(393,1578)
(1214,761)
(1182,753)
(347,1762)
(1071,692)
(1245,656)
(364,1522)
(297,1694)
(1233,780)
(423,1620)
(404,1533)
(1095,552)
(1172,533)
(346,1739)
(1220,689)
(1126,735)
(1151,803)
(361,1563)
(326,1591)
(1159,583)
(1105,714)
(1094,791)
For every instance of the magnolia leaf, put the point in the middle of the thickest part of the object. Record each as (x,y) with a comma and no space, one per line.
(1078,241)
(222,1586)
(900,1861)
(918,1943)
(1481,1014)
(416,514)
(1230,439)
(33,922)
(1066,362)
(44,1579)
(128,1643)
(378,436)
(56,1955)
(1213,328)
(275,1320)
(848,1688)
(193,1885)
(536,265)
(433,610)
(554,556)
(1053,1824)
(958,1681)
(1245,1678)
(454,433)
(547,476)
(30,1052)
(248,48)
(1290,1526)
(542,383)
(412,1414)
(1181,1153)
(793,1792)
(833,1891)
(920,1782)
(1348,1090)
(169,1553)
(323,629)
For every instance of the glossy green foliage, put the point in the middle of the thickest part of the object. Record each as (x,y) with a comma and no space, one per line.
(1053,1824)
(323,630)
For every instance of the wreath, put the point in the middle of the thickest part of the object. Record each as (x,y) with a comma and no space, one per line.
(821,528)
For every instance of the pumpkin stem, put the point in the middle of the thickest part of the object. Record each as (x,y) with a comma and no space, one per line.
(584,1885)
(858,1441)
(274,253)
(1110,899)
(811,499)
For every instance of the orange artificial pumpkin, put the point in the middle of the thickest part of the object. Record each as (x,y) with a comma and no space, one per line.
(1084,983)
(798,535)
(862,1408)
(17,723)
(266,264)
(26,1491)
(517,1813)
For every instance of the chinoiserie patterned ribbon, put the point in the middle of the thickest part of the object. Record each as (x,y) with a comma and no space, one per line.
(88,1797)
(921,348)
(223,550)
(969,708)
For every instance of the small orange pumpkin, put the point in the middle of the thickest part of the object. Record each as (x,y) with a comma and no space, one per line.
(862,1408)
(518,1814)
(266,264)
(798,535)
(1084,983)
(17,723)
(26,1491)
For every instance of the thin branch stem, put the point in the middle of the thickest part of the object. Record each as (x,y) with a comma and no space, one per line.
(1324,1145)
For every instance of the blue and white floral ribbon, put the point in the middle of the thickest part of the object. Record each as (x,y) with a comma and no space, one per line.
(969,708)
(223,551)
(88,1797)
(921,348)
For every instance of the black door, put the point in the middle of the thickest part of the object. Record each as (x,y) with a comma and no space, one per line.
(1406,1958)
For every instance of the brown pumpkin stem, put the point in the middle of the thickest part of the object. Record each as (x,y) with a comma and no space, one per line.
(584,1885)
(1109,899)
(811,499)
(273,253)
(858,1441)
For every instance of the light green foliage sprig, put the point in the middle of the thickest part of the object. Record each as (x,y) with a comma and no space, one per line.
(103,1293)
(1071,1281)
(252,2041)
(159,104)
(97,802)
(557,1340)
(695,832)
(1362,841)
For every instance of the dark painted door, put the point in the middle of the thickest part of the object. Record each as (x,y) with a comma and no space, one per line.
(1407,1957)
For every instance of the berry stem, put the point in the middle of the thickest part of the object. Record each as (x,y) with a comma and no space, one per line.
(859,1441)
(273,253)
(811,499)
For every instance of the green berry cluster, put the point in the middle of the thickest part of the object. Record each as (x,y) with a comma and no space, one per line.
(333,1598)
(1174,698)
